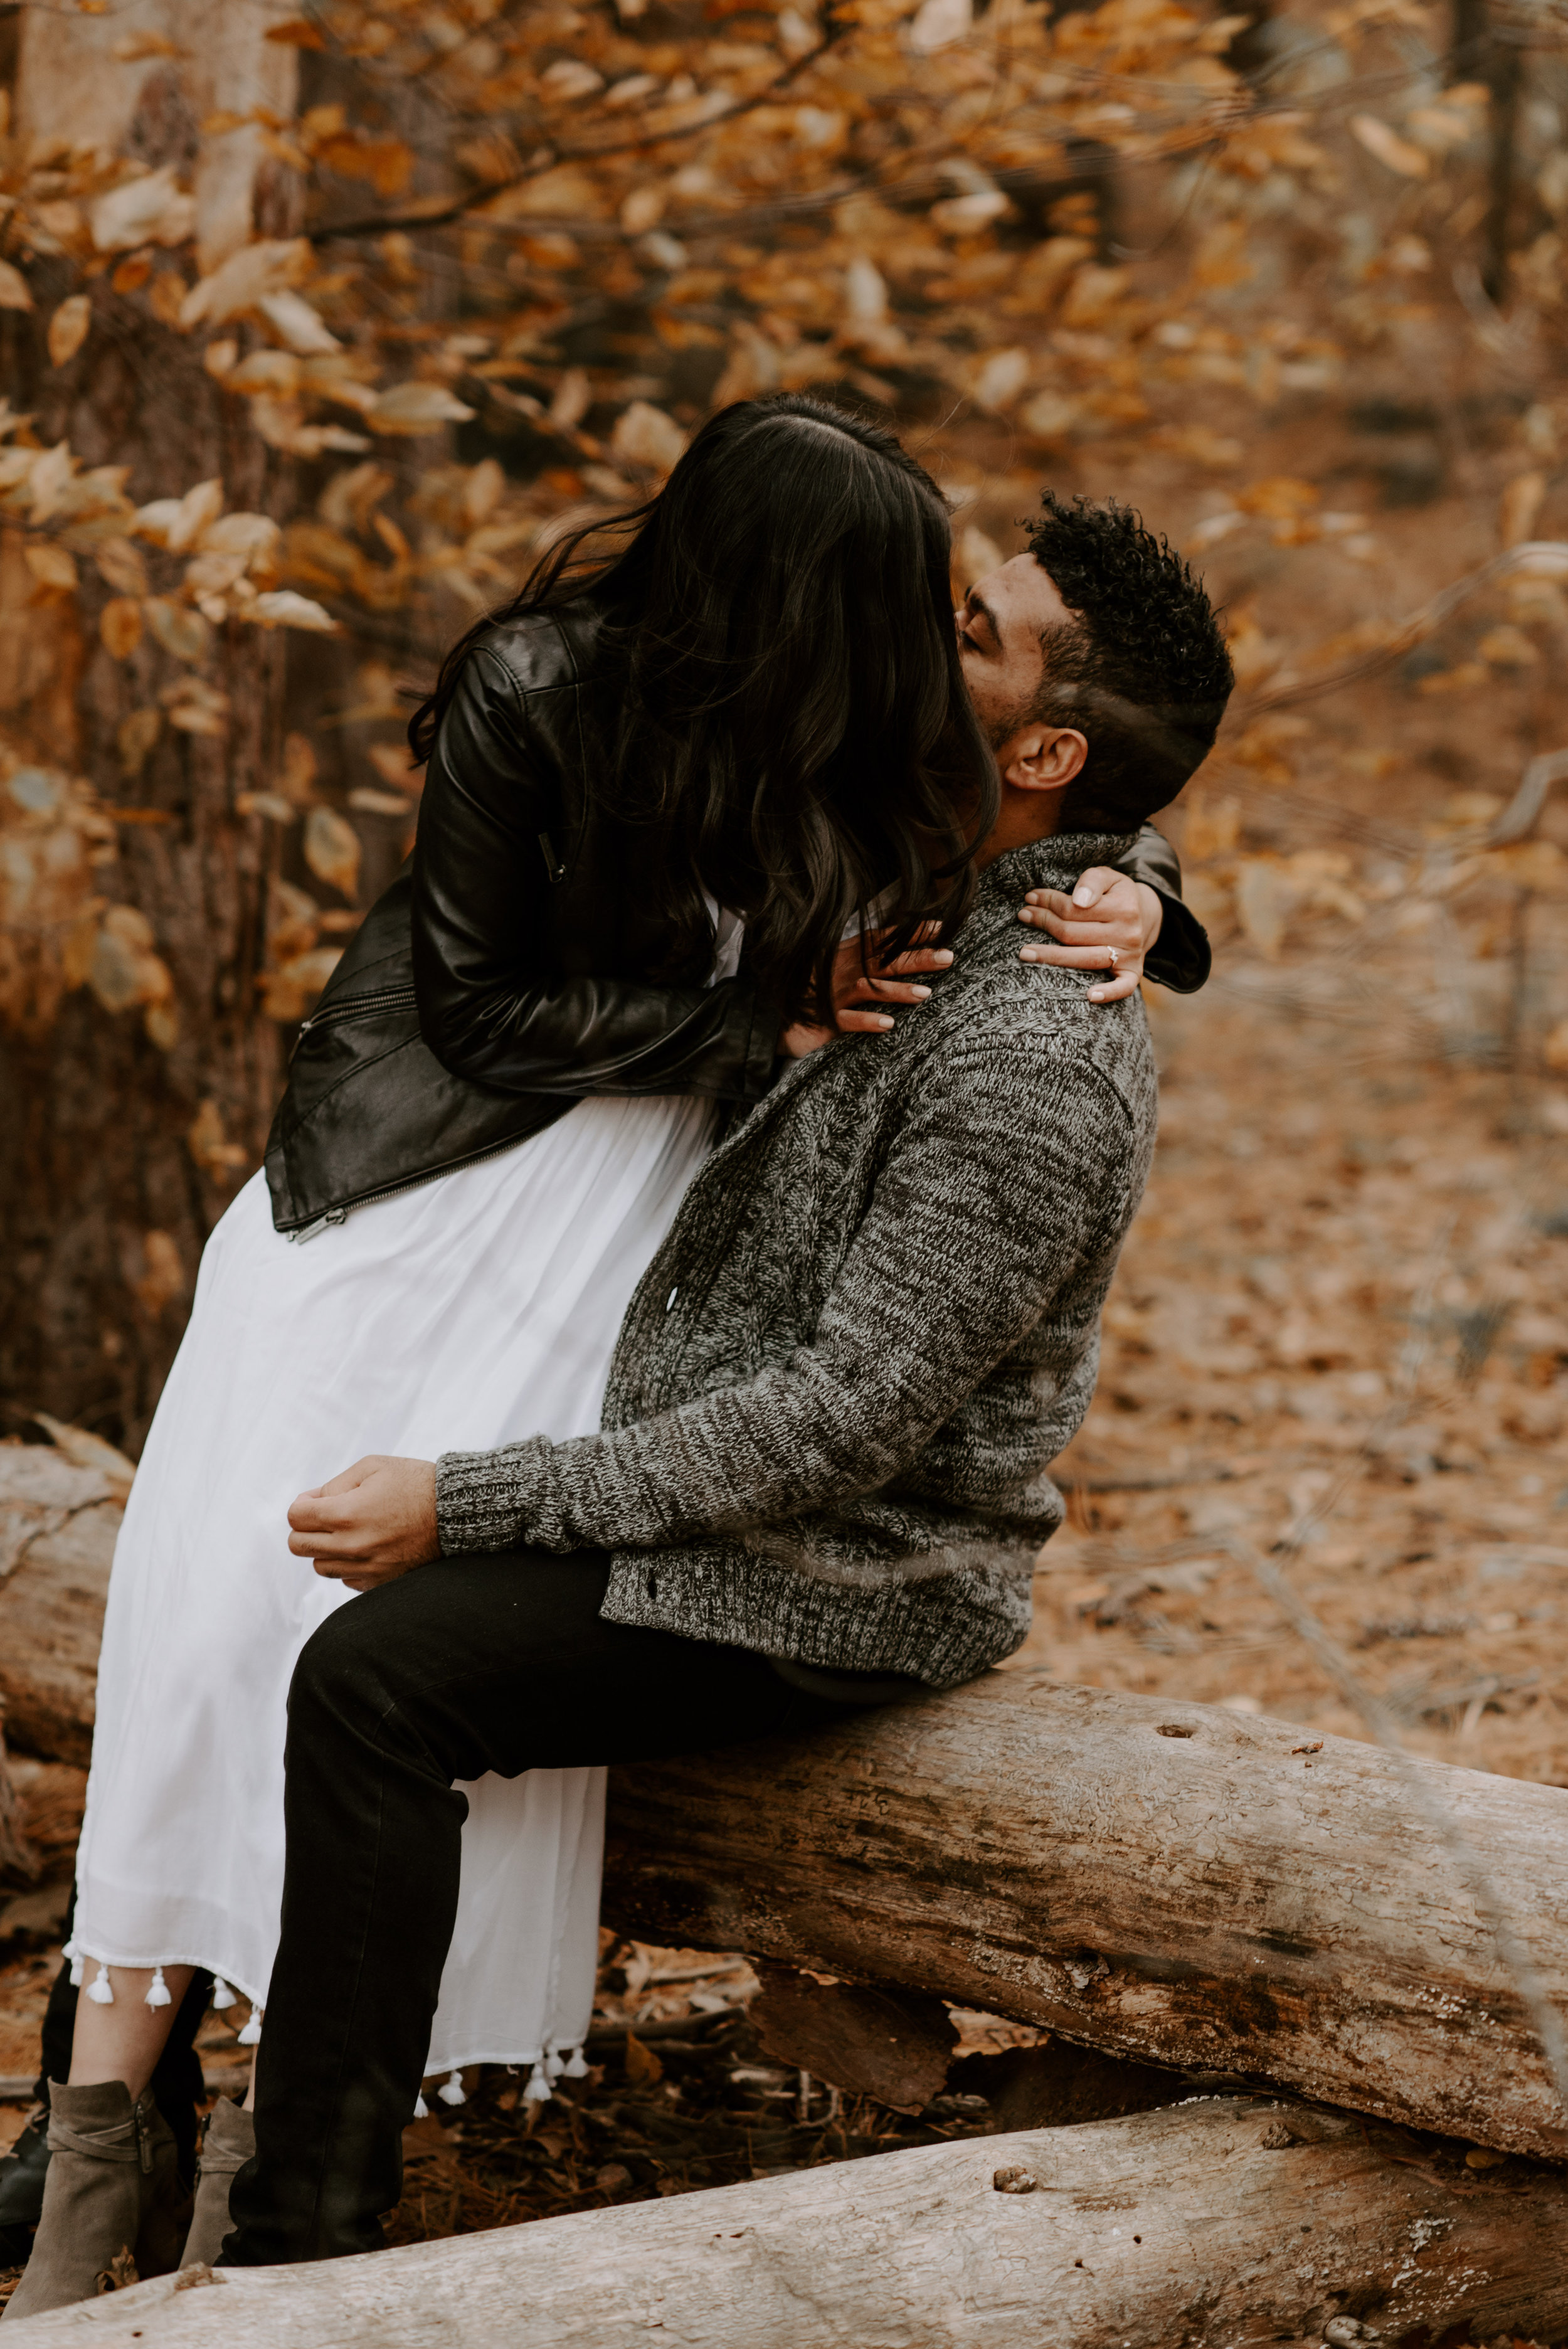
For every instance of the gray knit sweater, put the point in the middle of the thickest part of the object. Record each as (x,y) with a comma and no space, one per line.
(873,1325)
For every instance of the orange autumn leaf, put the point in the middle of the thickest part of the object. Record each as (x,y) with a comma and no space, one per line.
(332,850)
(120,625)
(69,328)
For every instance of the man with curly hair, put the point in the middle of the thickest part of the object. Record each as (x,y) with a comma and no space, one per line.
(1098,669)
(821,1477)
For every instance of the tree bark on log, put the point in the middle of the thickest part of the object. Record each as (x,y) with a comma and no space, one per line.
(19,1862)
(1220,2221)
(58,1524)
(1174,1883)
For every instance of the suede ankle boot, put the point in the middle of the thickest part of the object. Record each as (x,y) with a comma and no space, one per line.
(112,2198)
(229,2143)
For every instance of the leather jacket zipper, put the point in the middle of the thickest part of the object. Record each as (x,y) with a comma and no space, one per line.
(355,1007)
(394,1190)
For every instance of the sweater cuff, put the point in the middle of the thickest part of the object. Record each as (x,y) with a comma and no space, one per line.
(484,1500)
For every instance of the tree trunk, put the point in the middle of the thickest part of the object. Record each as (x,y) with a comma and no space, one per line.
(1481,55)
(105,1205)
(1171,1882)
(1217,2222)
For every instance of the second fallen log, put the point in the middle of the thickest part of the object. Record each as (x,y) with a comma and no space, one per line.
(1172,1882)
(1220,2222)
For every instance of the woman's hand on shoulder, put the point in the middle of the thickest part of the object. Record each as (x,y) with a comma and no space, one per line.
(861,997)
(369,1524)
(1108,924)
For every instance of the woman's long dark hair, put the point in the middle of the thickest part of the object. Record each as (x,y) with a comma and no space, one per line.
(796,733)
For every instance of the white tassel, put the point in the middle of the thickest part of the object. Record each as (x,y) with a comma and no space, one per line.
(450,2091)
(78,1963)
(157,1990)
(553,2065)
(223,1996)
(576,2068)
(421,2109)
(252,2034)
(100,1989)
(537,2089)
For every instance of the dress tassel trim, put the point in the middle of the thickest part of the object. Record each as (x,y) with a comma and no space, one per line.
(252,2034)
(223,1996)
(575,2067)
(421,2109)
(450,2091)
(100,1989)
(538,2091)
(158,1990)
(78,1963)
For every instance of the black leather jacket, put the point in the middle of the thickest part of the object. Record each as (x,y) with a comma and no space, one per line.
(499,980)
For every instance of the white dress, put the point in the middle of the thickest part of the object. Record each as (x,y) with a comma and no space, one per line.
(478,1308)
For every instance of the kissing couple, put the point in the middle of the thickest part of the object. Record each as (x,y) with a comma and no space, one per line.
(691,1212)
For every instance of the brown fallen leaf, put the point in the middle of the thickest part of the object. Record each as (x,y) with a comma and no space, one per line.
(69,328)
(643,2066)
(120,2272)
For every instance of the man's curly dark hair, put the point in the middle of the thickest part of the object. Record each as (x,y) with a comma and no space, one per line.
(1142,670)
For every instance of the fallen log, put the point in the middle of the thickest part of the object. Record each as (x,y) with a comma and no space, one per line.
(894,2045)
(19,1863)
(58,1524)
(1174,1883)
(1220,2221)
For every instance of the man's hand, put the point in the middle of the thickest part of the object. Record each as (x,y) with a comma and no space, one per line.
(1108,924)
(858,992)
(369,1524)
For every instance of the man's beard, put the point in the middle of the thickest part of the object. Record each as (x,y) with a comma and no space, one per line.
(1011,721)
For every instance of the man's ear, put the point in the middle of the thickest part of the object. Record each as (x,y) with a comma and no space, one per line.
(1042,758)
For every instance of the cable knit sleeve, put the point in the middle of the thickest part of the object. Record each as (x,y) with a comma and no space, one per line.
(971,1232)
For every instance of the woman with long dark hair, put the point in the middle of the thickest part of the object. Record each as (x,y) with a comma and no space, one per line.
(664,790)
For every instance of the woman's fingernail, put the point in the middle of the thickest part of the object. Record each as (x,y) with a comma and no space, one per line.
(921,992)
(1096,995)
(884,1020)
(944,955)
(1083,898)
(1030,953)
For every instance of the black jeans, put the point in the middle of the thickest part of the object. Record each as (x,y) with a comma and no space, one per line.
(498,1662)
